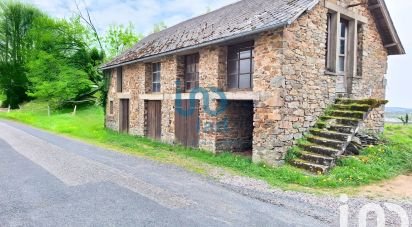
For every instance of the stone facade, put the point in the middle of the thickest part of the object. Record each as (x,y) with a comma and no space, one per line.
(290,88)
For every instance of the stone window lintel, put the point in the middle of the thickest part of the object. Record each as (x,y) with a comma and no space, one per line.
(346,13)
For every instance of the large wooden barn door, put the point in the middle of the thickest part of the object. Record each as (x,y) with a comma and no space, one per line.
(154,119)
(187,122)
(124,116)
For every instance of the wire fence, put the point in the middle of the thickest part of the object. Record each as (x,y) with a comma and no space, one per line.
(46,110)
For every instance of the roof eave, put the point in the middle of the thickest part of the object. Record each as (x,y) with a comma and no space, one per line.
(393,32)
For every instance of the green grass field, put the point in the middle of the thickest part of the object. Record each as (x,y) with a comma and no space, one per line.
(373,165)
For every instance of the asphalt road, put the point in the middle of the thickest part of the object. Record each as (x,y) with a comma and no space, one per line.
(49,180)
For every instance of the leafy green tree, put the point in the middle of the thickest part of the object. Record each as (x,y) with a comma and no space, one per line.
(120,38)
(62,68)
(57,81)
(16,20)
(159,27)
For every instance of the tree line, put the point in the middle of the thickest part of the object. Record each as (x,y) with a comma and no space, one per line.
(55,60)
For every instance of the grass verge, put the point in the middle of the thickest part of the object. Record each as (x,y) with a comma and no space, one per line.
(374,164)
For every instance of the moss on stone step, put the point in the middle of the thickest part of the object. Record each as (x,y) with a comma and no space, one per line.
(348,114)
(373,103)
(352,107)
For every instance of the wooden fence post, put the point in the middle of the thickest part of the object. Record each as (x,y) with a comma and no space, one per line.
(48,110)
(8,109)
(75,109)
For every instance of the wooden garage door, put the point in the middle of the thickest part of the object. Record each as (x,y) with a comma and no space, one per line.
(124,116)
(154,119)
(187,122)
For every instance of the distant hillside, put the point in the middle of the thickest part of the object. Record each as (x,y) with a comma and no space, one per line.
(399,110)
(393,113)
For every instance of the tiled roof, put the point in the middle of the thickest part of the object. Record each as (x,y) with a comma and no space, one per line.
(235,20)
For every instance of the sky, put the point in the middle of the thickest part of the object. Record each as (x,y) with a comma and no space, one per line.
(145,13)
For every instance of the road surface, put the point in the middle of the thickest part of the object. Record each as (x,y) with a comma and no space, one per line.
(49,180)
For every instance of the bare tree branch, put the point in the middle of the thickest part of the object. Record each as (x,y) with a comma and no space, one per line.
(88,21)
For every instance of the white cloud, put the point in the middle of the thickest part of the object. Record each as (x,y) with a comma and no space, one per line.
(143,13)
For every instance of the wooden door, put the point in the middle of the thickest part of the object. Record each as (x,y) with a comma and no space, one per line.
(187,122)
(154,120)
(124,116)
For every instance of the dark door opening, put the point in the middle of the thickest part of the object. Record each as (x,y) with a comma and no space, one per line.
(154,119)
(235,127)
(187,122)
(124,116)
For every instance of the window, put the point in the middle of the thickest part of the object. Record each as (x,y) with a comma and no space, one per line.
(156,68)
(240,66)
(191,72)
(119,79)
(343,44)
(111,107)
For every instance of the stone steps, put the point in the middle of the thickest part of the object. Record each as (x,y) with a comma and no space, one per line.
(334,144)
(315,168)
(342,129)
(317,158)
(342,120)
(345,114)
(332,134)
(318,149)
(353,107)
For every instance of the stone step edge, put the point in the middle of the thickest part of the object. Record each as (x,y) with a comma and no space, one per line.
(330,131)
(315,167)
(320,147)
(308,153)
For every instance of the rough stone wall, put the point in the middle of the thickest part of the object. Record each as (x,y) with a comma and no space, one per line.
(148,87)
(290,73)
(168,77)
(270,82)
(212,67)
(133,85)
(212,75)
(133,80)
(112,121)
(235,127)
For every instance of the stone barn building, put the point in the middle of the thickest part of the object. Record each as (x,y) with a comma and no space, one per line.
(253,76)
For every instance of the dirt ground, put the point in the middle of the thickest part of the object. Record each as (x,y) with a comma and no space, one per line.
(397,188)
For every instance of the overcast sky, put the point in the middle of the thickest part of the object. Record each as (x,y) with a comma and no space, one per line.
(145,13)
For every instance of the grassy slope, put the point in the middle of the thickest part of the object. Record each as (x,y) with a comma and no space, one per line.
(375,163)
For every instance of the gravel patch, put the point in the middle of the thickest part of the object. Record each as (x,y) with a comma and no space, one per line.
(325,208)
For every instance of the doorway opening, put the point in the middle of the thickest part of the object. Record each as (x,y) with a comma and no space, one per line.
(235,127)
(124,116)
(154,119)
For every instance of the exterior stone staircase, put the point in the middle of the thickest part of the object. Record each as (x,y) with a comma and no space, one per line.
(328,140)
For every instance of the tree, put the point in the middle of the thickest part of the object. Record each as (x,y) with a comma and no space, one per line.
(16,20)
(405,120)
(62,68)
(120,38)
(159,27)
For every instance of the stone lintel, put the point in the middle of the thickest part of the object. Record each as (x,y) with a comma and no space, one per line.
(154,97)
(125,95)
(345,12)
